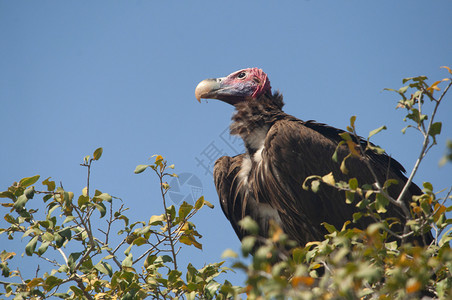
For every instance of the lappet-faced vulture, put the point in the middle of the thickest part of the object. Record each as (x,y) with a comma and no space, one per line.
(265,183)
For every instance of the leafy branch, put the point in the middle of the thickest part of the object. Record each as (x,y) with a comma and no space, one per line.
(93,264)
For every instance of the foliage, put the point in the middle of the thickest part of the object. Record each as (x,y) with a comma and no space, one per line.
(73,235)
(352,263)
(91,265)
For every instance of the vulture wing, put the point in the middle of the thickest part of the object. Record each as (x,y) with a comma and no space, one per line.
(225,171)
(294,150)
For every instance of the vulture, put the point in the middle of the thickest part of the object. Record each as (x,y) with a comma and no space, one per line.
(266,182)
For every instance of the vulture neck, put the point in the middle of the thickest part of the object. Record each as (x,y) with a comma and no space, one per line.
(253,119)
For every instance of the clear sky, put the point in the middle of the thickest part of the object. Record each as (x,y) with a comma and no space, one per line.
(121,75)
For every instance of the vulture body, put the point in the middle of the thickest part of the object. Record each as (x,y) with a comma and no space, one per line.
(265,183)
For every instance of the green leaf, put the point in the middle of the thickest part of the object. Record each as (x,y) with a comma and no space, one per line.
(435,129)
(190,240)
(97,153)
(357,216)
(352,122)
(140,168)
(329,227)
(27,181)
(68,196)
(105,197)
(428,186)
(7,194)
(248,243)
(139,241)
(249,225)
(375,149)
(52,282)
(66,233)
(68,219)
(82,200)
(31,246)
(185,209)
(43,247)
(166,258)
(101,208)
(72,259)
(312,183)
(353,183)
(345,136)
(334,157)
(50,184)
(20,202)
(416,79)
(29,192)
(47,236)
(391,245)
(390,182)
(104,268)
(349,197)
(375,131)
(381,203)
(403,89)
(10,219)
(171,211)
(199,203)
(78,292)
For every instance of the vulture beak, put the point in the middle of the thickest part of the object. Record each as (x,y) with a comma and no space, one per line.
(208,89)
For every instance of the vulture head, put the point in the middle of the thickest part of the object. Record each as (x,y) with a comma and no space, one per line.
(238,87)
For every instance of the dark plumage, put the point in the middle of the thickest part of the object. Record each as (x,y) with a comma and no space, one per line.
(265,183)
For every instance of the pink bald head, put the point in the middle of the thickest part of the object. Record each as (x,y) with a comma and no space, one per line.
(237,87)
(258,79)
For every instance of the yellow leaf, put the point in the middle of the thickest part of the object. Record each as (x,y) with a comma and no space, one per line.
(185,227)
(440,209)
(329,179)
(312,243)
(353,148)
(277,234)
(434,86)
(156,218)
(417,210)
(306,280)
(85,191)
(229,253)
(34,282)
(158,159)
(447,68)
(413,286)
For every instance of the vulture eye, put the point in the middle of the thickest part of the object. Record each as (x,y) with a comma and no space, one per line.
(241,75)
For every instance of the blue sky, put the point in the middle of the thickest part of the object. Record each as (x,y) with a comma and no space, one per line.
(121,75)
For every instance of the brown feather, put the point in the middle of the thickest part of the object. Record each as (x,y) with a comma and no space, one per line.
(267,181)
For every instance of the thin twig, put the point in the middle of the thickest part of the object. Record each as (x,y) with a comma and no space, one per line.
(167,216)
(424,148)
